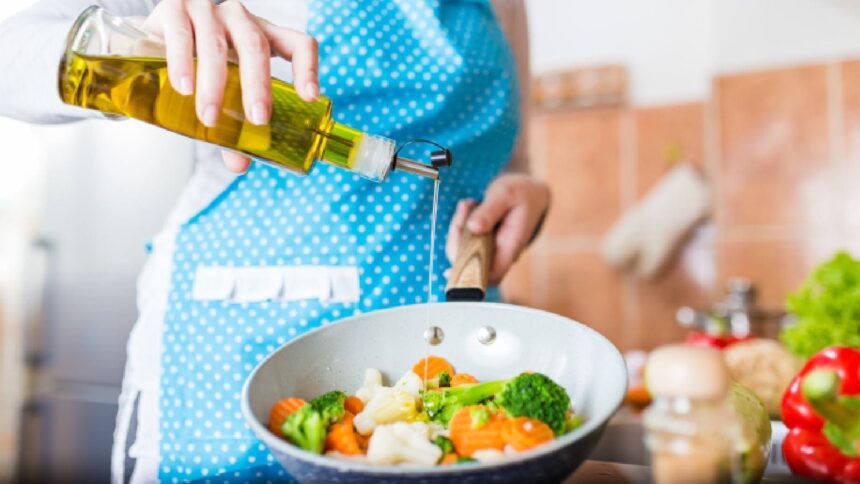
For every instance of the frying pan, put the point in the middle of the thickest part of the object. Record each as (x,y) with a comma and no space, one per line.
(391,340)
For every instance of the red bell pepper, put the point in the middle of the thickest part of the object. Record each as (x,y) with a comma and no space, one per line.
(821,409)
(712,340)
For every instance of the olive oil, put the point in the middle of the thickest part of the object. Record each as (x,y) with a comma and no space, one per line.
(299,132)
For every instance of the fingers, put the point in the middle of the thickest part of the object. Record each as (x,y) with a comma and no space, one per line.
(211,40)
(455,230)
(235,162)
(252,46)
(302,50)
(499,199)
(511,238)
(170,21)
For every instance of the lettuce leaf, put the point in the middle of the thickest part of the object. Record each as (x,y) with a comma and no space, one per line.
(827,306)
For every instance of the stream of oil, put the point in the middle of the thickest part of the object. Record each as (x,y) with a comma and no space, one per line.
(428,324)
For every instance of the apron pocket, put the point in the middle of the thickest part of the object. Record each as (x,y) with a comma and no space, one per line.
(276,283)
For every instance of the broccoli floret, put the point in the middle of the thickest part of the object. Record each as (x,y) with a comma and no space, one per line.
(445,444)
(307,426)
(330,405)
(441,405)
(536,396)
(465,460)
(443,380)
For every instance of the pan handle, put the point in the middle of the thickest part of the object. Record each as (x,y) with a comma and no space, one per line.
(470,274)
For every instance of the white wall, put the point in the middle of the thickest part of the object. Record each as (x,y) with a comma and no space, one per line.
(664,43)
(673,48)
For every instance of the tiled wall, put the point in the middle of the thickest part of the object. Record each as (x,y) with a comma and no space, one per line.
(781,149)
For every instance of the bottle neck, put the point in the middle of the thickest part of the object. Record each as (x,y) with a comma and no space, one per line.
(339,145)
(367,155)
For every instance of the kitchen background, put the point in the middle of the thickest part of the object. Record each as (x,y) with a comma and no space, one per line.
(763,97)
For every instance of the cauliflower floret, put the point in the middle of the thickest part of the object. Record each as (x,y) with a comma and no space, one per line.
(387,405)
(410,383)
(403,443)
(372,383)
(489,455)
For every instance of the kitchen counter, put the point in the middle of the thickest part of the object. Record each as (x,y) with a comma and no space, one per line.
(620,455)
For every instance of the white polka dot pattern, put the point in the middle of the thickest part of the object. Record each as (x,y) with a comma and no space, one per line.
(399,68)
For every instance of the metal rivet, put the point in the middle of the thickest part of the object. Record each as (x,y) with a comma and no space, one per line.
(487,335)
(434,335)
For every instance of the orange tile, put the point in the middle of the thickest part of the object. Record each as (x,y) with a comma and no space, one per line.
(581,286)
(517,287)
(850,170)
(660,299)
(580,153)
(658,129)
(776,267)
(850,72)
(774,145)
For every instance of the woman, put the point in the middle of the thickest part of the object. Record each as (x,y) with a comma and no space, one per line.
(438,69)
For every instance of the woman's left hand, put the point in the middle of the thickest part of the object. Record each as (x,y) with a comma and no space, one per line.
(515,203)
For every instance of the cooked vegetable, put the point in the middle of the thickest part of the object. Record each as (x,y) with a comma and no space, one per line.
(353,405)
(463,379)
(444,443)
(403,443)
(387,405)
(442,404)
(281,410)
(449,459)
(307,426)
(448,418)
(469,435)
(430,367)
(523,433)
(572,422)
(480,417)
(443,380)
(827,306)
(535,395)
(342,438)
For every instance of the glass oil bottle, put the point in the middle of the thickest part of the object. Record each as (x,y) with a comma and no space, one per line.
(112,66)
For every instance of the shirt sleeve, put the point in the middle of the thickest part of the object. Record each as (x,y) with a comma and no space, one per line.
(31,46)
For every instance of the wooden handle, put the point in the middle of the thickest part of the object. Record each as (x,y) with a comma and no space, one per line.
(470,275)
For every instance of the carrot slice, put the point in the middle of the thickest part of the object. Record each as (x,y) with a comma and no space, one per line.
(463,379)
(449,459)
(523,433)
(469,437)
(430,367)
(342,438)
(281,410)
(353,405)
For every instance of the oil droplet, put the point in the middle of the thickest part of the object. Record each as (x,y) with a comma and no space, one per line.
(487,335)
(434,335)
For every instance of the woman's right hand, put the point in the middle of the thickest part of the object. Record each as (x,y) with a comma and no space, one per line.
(200,28)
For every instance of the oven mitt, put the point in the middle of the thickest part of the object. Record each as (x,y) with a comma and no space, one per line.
(648,233)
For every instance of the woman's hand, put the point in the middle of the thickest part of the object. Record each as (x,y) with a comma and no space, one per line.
(516,204)
(209,31)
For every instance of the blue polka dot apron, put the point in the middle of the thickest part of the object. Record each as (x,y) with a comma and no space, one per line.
(404,69)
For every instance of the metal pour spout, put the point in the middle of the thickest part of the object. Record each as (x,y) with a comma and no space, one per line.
(416,168)
(438,159)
